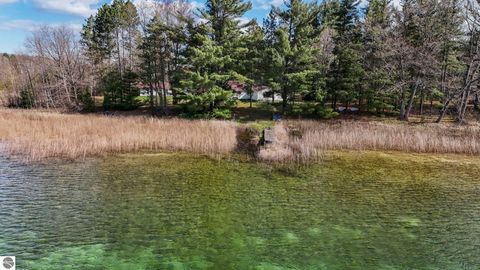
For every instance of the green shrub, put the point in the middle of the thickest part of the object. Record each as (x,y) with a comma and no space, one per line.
(142,101)
(312,110)
(326,113)
(380,106)
(225,113)
(267,106)
(296,110)
(120,91)
(87,102)
(26,99)
(214,103)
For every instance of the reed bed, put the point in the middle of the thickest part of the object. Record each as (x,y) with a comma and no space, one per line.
(301,141)
(37,135)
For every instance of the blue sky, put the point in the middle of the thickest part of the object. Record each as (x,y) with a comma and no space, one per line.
(18,18)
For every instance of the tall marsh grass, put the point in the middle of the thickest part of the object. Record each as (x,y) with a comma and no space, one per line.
(36,135)
(301,141)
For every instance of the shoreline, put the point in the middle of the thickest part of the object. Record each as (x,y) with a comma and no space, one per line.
(35,135)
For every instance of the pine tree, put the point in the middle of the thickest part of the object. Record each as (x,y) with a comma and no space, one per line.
(251,64)
(296,36)
(111,35)
(377,25)
(272,62)
(222,16)
(214,57)
(346,72)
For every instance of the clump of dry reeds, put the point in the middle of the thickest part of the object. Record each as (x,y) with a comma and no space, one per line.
(305,140)
(37,135)
(288,147)
(426,138)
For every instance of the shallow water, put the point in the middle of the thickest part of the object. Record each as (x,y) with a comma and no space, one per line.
(352,211)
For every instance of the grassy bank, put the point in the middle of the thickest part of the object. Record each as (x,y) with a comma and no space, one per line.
(36,135)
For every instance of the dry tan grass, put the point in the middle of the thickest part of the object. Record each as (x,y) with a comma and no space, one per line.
(37,135)
(301,141)
(288,147)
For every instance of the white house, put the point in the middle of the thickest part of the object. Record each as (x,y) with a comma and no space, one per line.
(260,93)
(145,89)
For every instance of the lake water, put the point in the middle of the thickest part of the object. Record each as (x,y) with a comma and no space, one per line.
(135,212)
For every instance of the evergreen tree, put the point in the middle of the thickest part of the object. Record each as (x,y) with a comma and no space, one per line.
(161,52)
(272,61)
(377,25)
(214,57)
(296,36)
(346,72)
(250,63)
(111,35)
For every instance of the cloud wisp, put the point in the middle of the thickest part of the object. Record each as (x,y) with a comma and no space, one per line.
(7,1)
(76,7)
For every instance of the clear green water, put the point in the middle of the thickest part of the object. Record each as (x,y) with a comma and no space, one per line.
(133,212)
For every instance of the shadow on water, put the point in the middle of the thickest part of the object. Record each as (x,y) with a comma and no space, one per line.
(353,211)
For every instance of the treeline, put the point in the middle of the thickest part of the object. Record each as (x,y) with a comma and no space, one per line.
(423,55)
(55,75)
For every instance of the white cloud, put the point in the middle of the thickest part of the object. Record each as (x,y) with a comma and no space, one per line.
(19,25)
(243,20)
(7,1)
(267,4)
(195,5)
(29,25)
(77,7)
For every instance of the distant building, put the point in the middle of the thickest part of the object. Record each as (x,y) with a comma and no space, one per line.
(259,93)
(145,88)
(345,109)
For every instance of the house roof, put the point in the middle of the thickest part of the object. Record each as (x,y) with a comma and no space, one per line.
(236,86)
(239,87)
(141,85)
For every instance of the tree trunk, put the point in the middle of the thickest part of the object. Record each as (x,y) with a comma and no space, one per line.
(463,106)
(165,101)
(360,104)
(284,101)
(476,102)
(402,105)
(422,97)
(443,110)
(410,103)
(120,69)
(431,104)
(151,97)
